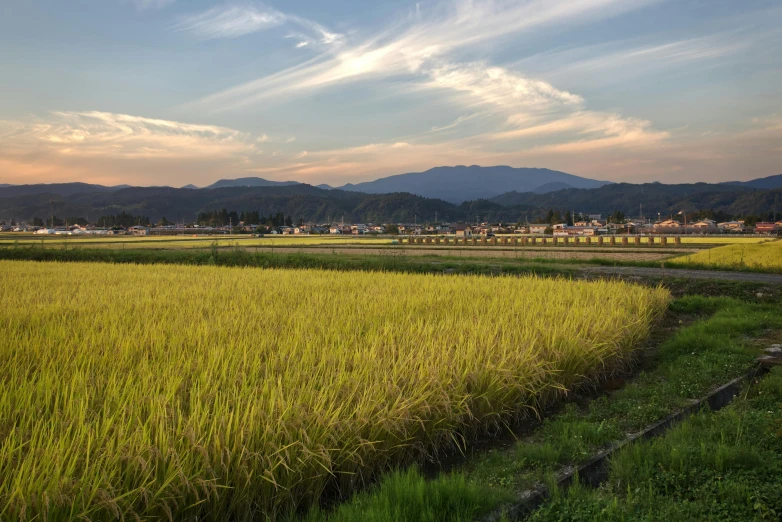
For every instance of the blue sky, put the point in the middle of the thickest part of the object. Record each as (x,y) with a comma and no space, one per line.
(153,92)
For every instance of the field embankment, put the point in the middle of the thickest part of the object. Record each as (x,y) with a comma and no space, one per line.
(182,392)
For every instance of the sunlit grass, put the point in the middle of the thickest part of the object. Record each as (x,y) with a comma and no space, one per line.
(760,256)
(174,392)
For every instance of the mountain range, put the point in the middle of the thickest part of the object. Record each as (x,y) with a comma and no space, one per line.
(319,205)
(541,190)
(461,183)
(453,184)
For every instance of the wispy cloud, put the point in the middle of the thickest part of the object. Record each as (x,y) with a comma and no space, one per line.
(412,46)
(124,136)
(233,21)
(617,61)
(230,21)
(111,148)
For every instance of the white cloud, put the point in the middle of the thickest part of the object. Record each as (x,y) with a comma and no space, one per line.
(500,87)
(412,47)
(232,21)
(124,136)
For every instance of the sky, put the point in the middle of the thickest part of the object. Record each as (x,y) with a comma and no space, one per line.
(175,92)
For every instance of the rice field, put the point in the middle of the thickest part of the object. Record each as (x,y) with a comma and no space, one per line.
(177,242)
(757,256)
(194,393)
(723,240)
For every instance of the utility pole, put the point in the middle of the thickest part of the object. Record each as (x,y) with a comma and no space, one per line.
(230,225)
(51,211)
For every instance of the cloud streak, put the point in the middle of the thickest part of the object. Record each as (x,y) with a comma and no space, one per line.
(122,136)
(409,48)
(233,21)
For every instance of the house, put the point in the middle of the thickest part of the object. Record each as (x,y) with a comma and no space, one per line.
(462,231)
(667,225)
(766,228)
(705,225)
(139,231)
(539,228)
(735,227)
(358,229)
(581,231)
(42,231)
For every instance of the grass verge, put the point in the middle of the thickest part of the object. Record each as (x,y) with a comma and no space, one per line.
(715,466)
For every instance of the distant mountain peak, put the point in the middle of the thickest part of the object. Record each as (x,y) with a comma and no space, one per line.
(250,182)
(463,183)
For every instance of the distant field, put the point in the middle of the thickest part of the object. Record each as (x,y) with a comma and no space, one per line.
(724,240)
(761,256)
(134,392)
(189,241)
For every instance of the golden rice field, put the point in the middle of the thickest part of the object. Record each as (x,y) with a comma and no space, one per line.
(192,393)
(179,242)
(723,240)
(761,256)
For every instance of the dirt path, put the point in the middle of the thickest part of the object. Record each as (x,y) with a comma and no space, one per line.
(673,273)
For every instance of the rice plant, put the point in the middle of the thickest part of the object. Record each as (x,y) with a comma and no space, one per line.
(765,256)
(211,393)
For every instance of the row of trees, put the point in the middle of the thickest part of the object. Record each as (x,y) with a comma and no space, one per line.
(224,217)
(54,221)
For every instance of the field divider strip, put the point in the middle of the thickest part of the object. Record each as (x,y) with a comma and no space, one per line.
(594,471)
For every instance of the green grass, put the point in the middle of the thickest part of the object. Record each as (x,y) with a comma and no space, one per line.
(406,495)
(693,361)
(715,466)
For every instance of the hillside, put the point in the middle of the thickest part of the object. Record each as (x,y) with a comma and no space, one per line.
(655,198)
(314,204)
(458,184)
(62,189)
(771,182)
(300,201)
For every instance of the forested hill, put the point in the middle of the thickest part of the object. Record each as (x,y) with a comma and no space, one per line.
(654,197)
(315,204)
(300,201)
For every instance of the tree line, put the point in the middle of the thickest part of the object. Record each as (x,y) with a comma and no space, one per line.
(224,217)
